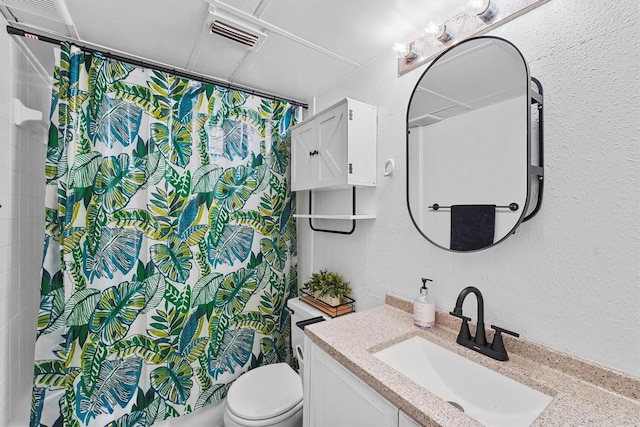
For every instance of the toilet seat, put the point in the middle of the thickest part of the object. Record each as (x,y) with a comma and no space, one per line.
(292,418)
(270,392)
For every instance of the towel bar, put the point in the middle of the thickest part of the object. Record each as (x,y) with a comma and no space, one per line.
(513,206)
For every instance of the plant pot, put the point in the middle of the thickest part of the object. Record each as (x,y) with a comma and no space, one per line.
(327,299)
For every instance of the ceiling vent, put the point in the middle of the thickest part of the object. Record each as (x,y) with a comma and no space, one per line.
(236,30)
(55,10)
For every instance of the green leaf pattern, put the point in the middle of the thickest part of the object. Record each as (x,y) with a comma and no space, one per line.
(116,310)
(169,244)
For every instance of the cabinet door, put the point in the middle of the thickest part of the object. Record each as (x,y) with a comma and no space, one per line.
(335,149)
(319,151)
(332,147)
(405,421)
(335,397)
(304,161)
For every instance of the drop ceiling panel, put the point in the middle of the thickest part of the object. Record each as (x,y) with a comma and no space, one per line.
(218,57)
(356,29)
(431,101)
(173,33)
(426,103)
(287,68)
(162,30)
(477,74)
(247,6)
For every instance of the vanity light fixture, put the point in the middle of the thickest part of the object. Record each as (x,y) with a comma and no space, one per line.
(438,29)
(475,18)
(483,9)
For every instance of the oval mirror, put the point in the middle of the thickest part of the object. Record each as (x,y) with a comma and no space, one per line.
(468,145)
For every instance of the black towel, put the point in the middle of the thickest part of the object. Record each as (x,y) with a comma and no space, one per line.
(472,226)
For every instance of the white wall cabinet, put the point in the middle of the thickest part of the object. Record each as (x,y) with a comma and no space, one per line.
(335,149)
(335,397)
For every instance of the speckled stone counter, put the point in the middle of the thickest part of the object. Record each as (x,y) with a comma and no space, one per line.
(584,394)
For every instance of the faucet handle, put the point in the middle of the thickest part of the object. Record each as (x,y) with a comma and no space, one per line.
(498,345)
(464,334)
(460,315)
(498,330)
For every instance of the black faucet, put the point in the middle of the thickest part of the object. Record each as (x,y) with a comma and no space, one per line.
(479,343)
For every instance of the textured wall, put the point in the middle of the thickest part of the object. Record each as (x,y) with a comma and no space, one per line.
(22,153)
(570,277)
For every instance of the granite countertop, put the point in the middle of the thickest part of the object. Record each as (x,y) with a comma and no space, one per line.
(584,393)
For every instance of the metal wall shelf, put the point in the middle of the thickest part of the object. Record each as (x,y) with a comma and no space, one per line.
(348,217)
(338,216)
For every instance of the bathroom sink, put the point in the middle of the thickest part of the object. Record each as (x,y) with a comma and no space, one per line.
(486,396)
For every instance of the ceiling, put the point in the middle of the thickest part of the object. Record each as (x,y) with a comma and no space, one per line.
(474,75)
(306,46)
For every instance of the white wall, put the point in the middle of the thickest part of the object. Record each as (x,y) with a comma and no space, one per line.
(465,171)
(570,277)
(22,153)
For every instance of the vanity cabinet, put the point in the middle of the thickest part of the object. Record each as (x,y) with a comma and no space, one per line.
(405,421)
(335,149)
(336,397)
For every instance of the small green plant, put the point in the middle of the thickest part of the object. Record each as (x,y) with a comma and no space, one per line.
(328,283)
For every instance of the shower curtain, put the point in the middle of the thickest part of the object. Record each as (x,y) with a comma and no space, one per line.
(169,249)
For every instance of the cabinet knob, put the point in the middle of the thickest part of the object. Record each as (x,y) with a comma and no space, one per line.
(313,153)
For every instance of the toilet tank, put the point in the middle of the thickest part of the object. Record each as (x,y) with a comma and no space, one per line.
(300,310)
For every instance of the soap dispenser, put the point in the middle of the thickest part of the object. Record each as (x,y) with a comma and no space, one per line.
(424,311)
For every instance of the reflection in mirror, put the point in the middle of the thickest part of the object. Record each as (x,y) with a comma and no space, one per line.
(468,149)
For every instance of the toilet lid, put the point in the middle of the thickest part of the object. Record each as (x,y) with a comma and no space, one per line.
(265,392)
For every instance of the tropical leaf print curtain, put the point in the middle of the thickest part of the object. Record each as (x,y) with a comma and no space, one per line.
(169,248)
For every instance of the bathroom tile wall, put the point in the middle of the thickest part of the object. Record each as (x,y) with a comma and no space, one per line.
(22,154)
(570,277)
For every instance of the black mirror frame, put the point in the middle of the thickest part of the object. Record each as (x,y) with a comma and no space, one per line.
(535,173)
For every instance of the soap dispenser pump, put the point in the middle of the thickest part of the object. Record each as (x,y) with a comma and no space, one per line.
(424,311)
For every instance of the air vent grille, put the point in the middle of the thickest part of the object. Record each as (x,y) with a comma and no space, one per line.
(235,29)
(234,33)
(44,8)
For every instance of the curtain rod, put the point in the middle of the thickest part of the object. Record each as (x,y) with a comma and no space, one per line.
(180,73)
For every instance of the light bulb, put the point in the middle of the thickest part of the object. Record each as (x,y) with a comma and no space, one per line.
(484,9)
(476,7)
(407,50)
(400,47)
(438,29)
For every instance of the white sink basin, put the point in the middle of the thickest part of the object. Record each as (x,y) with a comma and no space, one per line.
(486,396)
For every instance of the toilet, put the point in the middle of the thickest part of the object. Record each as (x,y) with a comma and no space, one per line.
(271,395)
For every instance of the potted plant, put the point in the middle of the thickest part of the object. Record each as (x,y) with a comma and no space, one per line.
(328,287)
